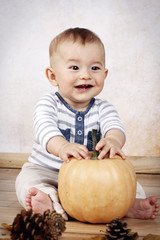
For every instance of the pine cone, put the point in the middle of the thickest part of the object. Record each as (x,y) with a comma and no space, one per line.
(54,224)
(118,230)
(30,226)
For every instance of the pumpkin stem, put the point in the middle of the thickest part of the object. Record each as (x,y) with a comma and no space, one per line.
(94,142)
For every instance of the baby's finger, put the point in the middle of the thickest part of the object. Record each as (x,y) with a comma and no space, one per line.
(67,156)
(113,152)
(84,154)
(103,153)
(100,144)
(84,149)
(122,155)
(77,154)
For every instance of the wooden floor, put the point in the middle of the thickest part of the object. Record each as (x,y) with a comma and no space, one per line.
(148,174)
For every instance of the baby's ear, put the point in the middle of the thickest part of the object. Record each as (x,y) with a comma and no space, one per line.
(106,72)
(51,76)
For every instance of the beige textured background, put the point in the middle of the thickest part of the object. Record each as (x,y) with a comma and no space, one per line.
(130,31)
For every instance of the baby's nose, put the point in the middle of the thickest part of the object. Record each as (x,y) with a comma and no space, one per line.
(85,75)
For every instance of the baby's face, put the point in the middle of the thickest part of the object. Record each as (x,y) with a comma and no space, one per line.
(79,72)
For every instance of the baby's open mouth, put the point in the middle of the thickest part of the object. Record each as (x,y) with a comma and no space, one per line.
(84,86)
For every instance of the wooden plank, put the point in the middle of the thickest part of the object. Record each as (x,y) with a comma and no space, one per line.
(7,186)
(144,179)
(150,183)
(9,207)
(7,215)
(8,173)
(65,236)
(9,199)
(137,225)
(141,164)
(145,164)
(77,236)
(5,235)
(81,230)
(13,160)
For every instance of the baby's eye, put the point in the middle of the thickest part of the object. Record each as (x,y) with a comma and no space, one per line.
(74,67)
(95,68)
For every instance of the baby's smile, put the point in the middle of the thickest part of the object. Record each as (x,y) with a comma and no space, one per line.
(84,87)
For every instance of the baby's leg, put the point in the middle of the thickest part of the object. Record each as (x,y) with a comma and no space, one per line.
(143,208)
(33,175)
(36,189)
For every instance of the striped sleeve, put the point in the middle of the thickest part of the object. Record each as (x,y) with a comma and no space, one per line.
(109,118)
(45,120)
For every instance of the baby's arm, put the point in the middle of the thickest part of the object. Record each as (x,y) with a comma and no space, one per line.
(112,143)
(60,147)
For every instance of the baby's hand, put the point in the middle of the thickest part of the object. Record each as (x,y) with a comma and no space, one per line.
(73,150)
(111,146)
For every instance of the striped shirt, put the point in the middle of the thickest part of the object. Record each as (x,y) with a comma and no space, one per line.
(54,117)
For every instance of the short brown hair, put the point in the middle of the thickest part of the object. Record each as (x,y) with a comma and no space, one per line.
(82,35)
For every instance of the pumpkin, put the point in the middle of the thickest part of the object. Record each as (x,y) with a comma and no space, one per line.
(97,191)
